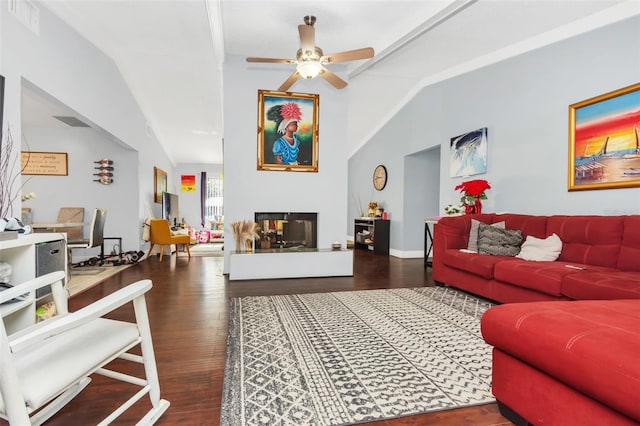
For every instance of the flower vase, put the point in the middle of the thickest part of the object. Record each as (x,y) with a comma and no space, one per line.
(478,206)
(475,208)
(467,208)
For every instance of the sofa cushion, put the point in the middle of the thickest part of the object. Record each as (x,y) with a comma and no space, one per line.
(629,257)
(529,225)
(589,240)
(591,346)
(545,277)
(473,233)
(602,285)
(498,242)
(540,249)
(471,262)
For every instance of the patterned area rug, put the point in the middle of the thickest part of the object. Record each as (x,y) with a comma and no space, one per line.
(351,357)
(81,280)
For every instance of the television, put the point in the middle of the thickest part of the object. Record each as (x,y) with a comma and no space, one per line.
(170,208)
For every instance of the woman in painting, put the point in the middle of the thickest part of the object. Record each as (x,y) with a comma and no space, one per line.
(287,146)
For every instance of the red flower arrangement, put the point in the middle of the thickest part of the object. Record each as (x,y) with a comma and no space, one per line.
(473,190)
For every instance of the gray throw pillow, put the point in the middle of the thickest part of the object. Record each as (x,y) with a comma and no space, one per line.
(498,242)
(473,233)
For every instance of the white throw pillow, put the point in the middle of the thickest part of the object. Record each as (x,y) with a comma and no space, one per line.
(541,249)
(473,234)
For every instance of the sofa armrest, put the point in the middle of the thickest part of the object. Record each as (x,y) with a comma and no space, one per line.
(451,233)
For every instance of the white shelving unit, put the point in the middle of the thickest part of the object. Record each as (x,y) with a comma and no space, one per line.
(20,253)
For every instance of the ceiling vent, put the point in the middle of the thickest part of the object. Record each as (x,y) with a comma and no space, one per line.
(27,13)
(71,121)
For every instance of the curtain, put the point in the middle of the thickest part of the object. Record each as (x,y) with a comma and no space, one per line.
(203,198)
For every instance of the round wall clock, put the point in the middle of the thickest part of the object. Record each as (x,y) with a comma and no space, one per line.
(380,177)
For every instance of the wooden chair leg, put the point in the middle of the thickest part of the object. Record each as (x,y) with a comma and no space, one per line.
(188,250)
(150,250)
(161,252)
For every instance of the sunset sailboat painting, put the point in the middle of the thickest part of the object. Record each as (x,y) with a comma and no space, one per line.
(604,141)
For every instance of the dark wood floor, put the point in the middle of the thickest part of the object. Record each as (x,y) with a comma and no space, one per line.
(188,314)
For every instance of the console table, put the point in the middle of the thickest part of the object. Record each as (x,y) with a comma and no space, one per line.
(428,241)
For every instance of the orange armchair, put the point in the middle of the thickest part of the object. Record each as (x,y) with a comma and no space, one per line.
(160,233)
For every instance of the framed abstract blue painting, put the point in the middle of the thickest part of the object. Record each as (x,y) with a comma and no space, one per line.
(469,153)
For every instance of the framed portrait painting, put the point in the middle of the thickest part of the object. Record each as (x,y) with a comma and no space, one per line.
(159,184)
(604,148)
(287,131)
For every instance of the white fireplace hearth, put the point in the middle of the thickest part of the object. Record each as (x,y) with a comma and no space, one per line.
(302,263)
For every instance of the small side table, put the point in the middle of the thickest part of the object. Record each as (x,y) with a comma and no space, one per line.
(119,240)
(428,241)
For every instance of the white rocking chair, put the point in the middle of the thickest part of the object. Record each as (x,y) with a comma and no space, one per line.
(44,366)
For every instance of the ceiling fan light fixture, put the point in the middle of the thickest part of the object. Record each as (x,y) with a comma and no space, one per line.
(309,69)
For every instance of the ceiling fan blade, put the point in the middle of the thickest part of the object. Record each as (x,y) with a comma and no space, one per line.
(332,78)
(307,38)
(349,55)
(271,60)
(287,84)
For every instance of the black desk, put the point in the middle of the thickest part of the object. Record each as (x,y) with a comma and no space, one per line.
(428,241)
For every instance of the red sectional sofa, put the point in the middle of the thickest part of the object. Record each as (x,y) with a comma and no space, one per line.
(566,363)
(605,248)
(571,356)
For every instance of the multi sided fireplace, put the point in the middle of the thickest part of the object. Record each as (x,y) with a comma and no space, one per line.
(287,230)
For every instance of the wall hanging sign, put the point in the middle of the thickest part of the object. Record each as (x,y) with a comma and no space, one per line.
(105,171)
(468,153)
(44,163)
(288,131)
(159,184)
(604,141)
(188,183)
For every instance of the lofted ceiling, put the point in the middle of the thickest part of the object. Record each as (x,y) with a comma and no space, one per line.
(170,52)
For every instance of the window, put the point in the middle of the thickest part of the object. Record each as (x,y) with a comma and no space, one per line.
(214,207)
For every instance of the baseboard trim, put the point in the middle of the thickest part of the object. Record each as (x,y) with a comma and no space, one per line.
(408,254)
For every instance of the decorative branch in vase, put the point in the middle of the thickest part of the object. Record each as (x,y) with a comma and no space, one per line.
(244,231)
(9,179)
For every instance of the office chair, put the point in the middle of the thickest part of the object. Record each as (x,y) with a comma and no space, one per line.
(160,233)
(46,365)
(96,235)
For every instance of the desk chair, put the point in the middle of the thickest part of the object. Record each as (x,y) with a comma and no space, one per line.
(160,233)
(71,214)
(46,365)
(96,235)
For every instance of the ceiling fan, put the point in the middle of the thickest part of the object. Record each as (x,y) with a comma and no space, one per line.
(310,60)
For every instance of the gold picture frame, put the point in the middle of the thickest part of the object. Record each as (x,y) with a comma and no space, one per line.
(159,184)
(604,141)
(283,146)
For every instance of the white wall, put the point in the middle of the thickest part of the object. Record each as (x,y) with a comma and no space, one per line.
(248,190)
(84,146)
(524,103)
(70,69)
(377,96)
